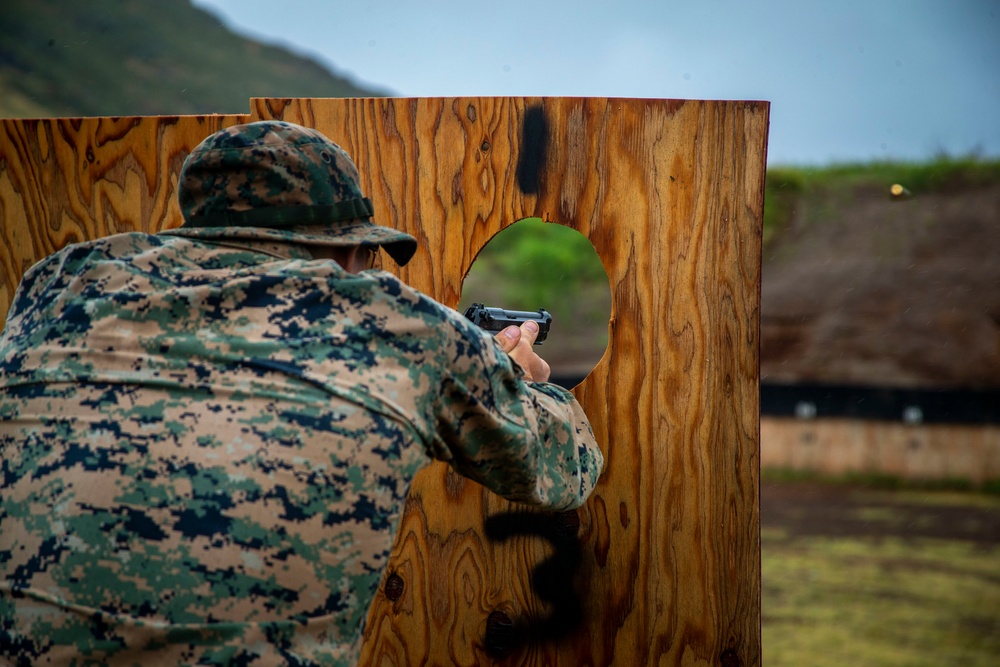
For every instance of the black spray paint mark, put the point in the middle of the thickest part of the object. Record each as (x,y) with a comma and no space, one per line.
(534,144)
(552,580)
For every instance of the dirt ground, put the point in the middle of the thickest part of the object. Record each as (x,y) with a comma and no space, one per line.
(863,289)
(817,509)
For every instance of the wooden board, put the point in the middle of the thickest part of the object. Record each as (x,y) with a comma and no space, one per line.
(662,566)
(664,563)
(64,180)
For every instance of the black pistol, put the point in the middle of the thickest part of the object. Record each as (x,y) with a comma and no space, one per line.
(498,319)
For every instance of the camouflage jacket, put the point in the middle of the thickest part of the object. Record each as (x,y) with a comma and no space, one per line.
(206,448)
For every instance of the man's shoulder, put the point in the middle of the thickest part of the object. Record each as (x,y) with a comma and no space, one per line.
(112,244)
(408,301)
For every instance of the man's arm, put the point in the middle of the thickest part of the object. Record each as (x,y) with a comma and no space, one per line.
(509,430)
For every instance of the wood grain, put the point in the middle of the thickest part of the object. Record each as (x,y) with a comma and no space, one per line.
(64,180)
(662,565)
(670,193)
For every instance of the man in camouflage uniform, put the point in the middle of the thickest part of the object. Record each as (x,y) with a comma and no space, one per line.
(207,435)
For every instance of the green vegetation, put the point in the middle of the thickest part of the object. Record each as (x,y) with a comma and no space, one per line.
(533,264)
(541,264)
(855,574)
(880,481)
(879,602)
(119,57)
(944,174)
(786,188)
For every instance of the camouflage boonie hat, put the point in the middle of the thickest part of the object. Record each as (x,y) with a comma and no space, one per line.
(280,181)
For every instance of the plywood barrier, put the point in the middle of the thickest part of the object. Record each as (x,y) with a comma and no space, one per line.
(662,566)
(64,180)
(925,452)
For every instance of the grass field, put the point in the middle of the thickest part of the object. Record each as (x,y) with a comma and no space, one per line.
(862,577)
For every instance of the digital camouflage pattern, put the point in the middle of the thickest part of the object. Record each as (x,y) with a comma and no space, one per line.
(266,177)
(206,448)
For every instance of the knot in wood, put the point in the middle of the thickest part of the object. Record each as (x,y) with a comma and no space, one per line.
(730,659)
(394,587)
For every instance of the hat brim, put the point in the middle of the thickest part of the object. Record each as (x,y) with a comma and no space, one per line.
(398,245)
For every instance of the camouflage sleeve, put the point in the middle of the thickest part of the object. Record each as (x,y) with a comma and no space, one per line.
(528,442)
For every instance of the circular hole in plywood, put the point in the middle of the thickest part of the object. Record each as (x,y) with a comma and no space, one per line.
(533,264)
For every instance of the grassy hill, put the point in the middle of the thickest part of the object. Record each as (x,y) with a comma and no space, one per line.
(131,57)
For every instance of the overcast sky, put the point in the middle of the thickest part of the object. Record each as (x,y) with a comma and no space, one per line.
(848,80)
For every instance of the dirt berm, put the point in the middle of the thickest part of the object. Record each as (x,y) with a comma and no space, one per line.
(860,287)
